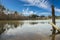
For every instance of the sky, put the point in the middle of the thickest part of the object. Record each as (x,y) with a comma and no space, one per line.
(27,7)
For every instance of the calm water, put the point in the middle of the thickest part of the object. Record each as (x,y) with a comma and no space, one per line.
(27,30)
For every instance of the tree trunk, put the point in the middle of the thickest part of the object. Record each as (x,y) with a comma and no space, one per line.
(53,21)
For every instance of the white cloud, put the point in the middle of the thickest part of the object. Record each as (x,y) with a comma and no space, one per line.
(28,12)
(8,12)
(41,4)
(57,9)
(38,3)
(45,13)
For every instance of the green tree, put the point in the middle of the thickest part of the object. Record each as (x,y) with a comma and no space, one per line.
(33,16)
(2,8)
(16,12)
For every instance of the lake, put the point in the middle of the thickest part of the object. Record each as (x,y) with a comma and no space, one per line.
(28,30)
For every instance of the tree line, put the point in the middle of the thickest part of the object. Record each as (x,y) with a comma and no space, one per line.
(16,16)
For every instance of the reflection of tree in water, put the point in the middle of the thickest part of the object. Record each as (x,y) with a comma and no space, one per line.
(54,35)
(33,23)
(13,24)
(2,27)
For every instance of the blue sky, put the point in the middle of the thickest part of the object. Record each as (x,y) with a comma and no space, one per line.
(27,7)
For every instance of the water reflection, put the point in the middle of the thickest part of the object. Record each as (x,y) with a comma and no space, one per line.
(33,23)
(22,30)
(2,27)
(9,24)
(15,23)
(54,36)
(39,22)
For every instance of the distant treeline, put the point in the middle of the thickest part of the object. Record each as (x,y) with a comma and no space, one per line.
(16,16)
